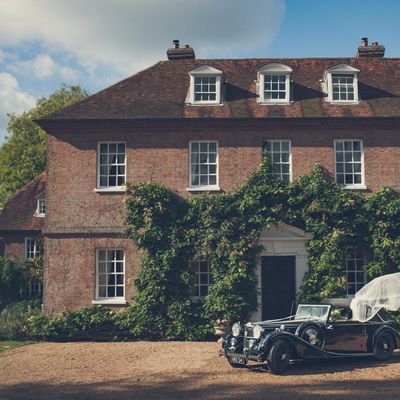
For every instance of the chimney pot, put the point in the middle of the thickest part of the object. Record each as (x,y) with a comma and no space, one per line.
(374,43)
(364,41)
(176,43)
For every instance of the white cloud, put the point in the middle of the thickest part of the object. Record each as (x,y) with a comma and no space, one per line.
(12,99)
(41,67)
(125,35)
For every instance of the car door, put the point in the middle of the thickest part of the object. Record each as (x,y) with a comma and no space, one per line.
(346,336)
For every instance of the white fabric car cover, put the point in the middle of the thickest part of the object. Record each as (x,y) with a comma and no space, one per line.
(380,292)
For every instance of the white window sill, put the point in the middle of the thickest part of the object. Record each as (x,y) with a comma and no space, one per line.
(344,103)
(205,104)
(355,187)
(39,215)
(204,189)
(197,299)
(115,189)
(275,103)
(110,301)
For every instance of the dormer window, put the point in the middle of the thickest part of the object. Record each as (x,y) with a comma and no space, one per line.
(341,84)
(205,85)
(274,83)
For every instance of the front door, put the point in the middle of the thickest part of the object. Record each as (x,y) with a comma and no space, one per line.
(278,286)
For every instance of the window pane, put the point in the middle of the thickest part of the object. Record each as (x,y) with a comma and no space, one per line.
(348,160)
(279,156)
(203,180)
(110,273)
(203,164)
(111,155)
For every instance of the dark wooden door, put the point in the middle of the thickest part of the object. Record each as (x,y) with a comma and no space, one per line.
(278,286)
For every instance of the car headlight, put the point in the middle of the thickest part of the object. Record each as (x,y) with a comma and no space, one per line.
(236,329)
(257,331)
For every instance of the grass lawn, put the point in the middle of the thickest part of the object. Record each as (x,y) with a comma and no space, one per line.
(12,344)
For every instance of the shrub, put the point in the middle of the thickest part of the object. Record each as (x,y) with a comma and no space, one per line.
(93,322)
(14,316)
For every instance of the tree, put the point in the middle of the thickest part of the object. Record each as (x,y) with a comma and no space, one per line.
(23,157)
(13,277)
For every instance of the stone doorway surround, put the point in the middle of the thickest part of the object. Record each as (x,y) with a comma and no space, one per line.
(283,240)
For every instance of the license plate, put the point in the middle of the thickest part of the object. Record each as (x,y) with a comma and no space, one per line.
(238,360)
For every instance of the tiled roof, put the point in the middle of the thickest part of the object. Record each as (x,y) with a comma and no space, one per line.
(161,90)
(18,213)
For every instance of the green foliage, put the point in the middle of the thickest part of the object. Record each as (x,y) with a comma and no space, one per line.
(224,229)
(13,276)
(95,321)
(13,318)
(23,157)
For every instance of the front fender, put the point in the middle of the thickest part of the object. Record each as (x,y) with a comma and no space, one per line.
(299,347)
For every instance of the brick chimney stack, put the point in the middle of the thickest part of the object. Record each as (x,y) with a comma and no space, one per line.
(373,50)
(180,53)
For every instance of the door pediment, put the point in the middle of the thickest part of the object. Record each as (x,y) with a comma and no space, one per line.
(284,232)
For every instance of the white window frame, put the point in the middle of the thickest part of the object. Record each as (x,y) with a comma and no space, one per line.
(341,69)
(40,201)
(344,185)
(36,248)
(355,271)
(290,155)
(196,275)
(205,71)
(274,69)
(204,187)
(116,188)
(109,300)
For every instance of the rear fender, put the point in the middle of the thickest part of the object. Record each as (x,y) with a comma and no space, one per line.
(385,328)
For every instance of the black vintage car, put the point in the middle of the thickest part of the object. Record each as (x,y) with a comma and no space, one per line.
(315,331)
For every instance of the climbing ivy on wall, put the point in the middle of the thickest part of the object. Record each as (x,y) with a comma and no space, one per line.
(224,229)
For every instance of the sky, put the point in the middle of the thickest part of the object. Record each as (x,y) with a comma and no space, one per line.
(95,43)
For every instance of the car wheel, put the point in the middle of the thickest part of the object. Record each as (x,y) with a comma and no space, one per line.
(384,346)
(313,334)
(278,357)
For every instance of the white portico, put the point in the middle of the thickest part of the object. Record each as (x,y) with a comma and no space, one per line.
(280,269)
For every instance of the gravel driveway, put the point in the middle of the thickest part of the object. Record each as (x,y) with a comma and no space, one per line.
(179,370)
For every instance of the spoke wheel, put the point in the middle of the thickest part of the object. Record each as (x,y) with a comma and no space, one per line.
(313,335)
(384,346)
(278,357)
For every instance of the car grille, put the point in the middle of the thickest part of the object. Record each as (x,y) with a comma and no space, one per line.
(248,332)
(249,340)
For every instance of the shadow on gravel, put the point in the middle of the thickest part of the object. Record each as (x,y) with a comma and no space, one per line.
(317,367)
(330,366)
(198,387)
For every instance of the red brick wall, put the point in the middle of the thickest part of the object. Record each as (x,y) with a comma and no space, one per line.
(14,244)
(159,154)
(69,274)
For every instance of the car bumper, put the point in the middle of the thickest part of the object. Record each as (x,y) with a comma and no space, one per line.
(248,357)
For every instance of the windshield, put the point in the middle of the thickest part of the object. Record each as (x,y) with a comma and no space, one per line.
(306,311)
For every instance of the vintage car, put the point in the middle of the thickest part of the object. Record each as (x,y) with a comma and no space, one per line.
(315,331)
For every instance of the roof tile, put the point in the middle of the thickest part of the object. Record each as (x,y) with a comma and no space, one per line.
(160,92)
